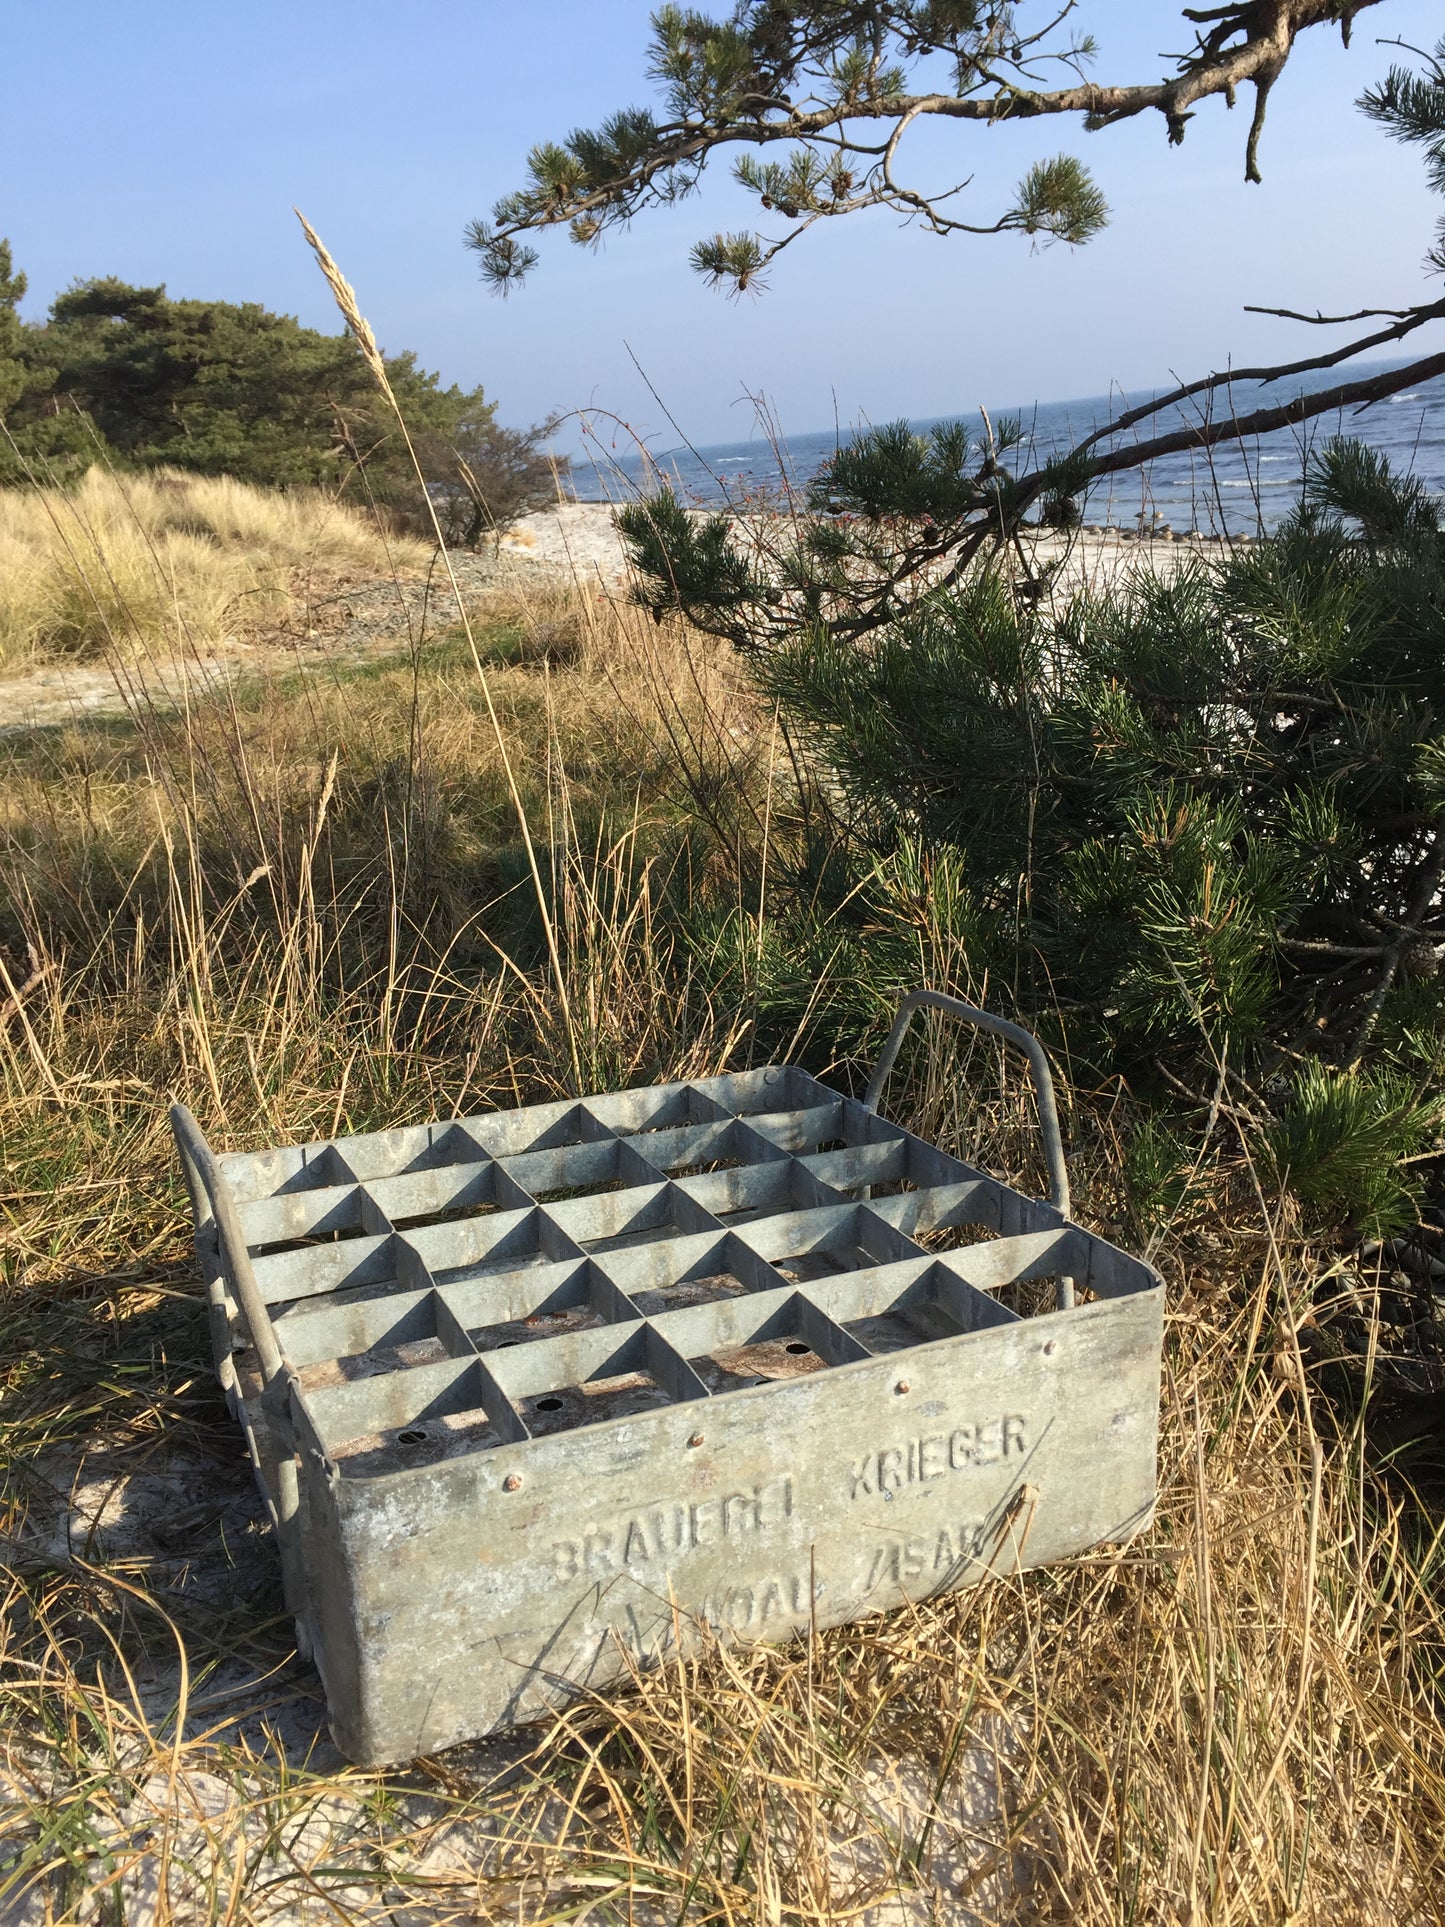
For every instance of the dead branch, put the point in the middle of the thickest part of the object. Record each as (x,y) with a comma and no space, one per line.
(40,968)
(1318,320)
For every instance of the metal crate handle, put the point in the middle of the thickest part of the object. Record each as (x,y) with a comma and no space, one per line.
(213,1206)
(1013,1034)
(211,1198)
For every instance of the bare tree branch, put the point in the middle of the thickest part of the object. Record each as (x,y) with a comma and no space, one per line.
(1229,428)
(1318,320)
(1412,318)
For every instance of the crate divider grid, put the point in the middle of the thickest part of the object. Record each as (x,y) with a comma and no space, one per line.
(704,1291)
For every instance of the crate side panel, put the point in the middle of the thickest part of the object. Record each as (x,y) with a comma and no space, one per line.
(888,1480)
(333,1611)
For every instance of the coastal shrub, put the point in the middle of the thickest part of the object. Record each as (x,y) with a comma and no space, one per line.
(141,381)
(1191,824)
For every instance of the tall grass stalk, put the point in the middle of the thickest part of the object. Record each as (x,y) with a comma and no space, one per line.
(346,301)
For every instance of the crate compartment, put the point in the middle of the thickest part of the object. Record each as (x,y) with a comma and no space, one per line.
(780,1184)
(571,1171)
(696,1150)
(408,1419)
(541,1127)
(544,1301)
(329,1341)
(319,1214)
(1024,1270)
(253,1175)
(897,1307)
(804,1245)
(411,1147)
(996,1265)
(771,1091)
(733,1368)
(348,1265)
(789,1339)
(588,1377)
(561,1408)
(619,1220)
(506,1241)
(944,1217)
(445,1194)
(681,1272)
(817,1127)
(645,1113)
(885,1166)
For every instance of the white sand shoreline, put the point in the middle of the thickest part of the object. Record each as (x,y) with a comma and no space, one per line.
(580,539)
(575,542)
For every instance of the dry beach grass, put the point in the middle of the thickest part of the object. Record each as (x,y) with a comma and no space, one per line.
(305,904)
(142,560)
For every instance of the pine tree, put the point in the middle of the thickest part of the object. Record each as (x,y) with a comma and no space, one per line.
(1193,822)
(131,376)
(12,330)
(836,85)
(895,519)
(832,87)
(38,431)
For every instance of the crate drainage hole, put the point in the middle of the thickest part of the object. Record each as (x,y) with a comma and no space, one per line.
(549,1404)
(795,1348)
(413,1435)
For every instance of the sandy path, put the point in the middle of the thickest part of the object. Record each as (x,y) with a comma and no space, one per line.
(575,541)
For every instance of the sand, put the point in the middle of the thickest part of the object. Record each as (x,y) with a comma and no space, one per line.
(575,541)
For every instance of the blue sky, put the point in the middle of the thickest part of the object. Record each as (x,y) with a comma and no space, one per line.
(167,141)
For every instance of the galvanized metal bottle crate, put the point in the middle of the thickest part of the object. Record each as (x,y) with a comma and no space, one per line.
(535,1394)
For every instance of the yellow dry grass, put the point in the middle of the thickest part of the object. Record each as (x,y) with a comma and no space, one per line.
(482,875)
(312,911)
(166,560)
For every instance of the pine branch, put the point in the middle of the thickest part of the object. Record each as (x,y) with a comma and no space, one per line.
(818,80)
(1301,408)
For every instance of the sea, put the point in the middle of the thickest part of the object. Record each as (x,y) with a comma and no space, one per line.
(1236,488)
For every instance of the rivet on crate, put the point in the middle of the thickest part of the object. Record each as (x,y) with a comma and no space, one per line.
(696,1439)
(901,1386)
(512,1482)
